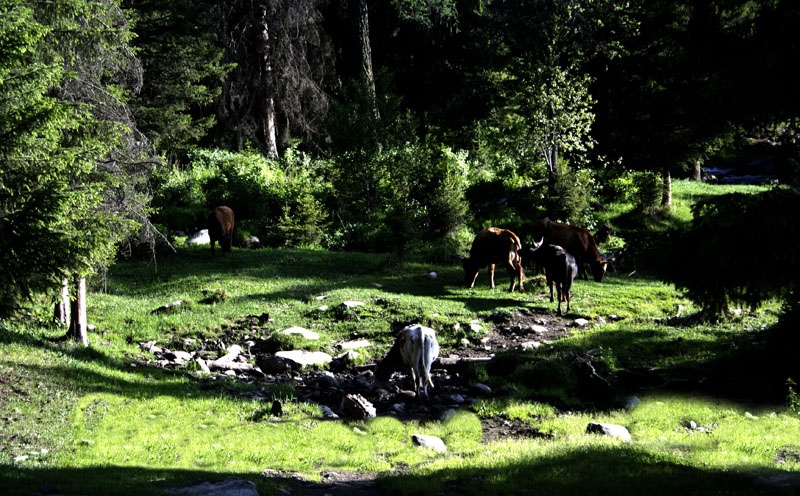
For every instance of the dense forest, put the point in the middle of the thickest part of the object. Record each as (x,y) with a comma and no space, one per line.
(399,126)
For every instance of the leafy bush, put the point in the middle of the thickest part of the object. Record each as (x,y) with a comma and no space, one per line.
(739,248)
(647,193)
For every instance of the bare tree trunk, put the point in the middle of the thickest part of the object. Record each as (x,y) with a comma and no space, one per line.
(552,179)
(61,310)
(77,321)
(666,191)
(698,172)
(361,15)
(267,85)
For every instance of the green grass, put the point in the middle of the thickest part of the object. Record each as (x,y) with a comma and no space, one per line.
(88,421)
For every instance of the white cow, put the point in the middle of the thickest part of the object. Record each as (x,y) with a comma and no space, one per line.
(415,347)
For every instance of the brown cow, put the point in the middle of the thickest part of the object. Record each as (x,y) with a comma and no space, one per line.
(494,246)
(220,228)
(578,242)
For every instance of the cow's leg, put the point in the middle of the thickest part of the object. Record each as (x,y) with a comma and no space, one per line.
(550,283)
(474,278)
(491,275)
(212,246)
(560,292)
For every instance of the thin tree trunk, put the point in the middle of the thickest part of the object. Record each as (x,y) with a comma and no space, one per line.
(361,15)
(267,85)
(552,179)
(77,321)
(666,191)
(61,310)
(698,172)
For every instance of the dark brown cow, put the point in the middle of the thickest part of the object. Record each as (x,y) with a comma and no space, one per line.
(494,246)
(578,242)
(559,267)
(220,228)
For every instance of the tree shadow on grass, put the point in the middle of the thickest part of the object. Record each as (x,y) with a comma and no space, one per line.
(618,470)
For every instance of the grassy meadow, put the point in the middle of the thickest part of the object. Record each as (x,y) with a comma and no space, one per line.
(97,421)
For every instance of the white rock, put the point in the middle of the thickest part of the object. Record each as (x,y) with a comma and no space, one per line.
(431,442)
(20,458)
(433,274)
(476,328)
(301,331)
(352,304)
(612,430)
(323,308)
(303,358)
(320,297)
(530,345)
(457,398)
(540,329)
(354,345)
(377,284)
(581,322)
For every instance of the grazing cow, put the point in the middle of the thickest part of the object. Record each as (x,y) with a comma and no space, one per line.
(415,347)
(220,228)
(578,242)
(602,234)
(559,267)
(494,246)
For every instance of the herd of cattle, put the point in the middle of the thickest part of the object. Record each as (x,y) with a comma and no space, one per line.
(561,251)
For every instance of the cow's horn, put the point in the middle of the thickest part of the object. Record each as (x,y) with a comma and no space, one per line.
(538,245)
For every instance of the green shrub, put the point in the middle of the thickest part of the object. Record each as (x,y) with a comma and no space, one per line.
(647,194)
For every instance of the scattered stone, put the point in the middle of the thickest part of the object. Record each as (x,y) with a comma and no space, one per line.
(465,343)
(431,442)
(151,347)
(252,243)
(377,285)
(750,416)
(447,414)
(351,304)
(357,407)
(612,430)
(311,335)
(457,398)
(201,364)
(433,274)
(691,424)
(482,389)
(305,358)
(631,402)
(614,317)
(399,408)
(344,360)
(326,379)
(169,307)
(320,297)
(475,328)
(272,364)
(201,237)
(21,458)
(539,329)
(581,322)
(530,345)
(328,413)
(233,487)
(323,308)
(354,345)
(178,357)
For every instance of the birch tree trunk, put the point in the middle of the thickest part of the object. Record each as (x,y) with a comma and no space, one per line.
(77,321)
(267,85)
(666,191)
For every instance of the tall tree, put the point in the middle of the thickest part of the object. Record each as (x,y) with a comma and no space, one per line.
(282,62)
(51,221)
(181,57)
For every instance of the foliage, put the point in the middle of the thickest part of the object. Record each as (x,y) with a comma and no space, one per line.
(182,69)
(647,191)
(51,194)
(739,248)
(792,398)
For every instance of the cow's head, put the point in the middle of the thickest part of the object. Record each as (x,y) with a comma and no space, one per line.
(599,269)
(471,268)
